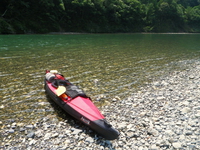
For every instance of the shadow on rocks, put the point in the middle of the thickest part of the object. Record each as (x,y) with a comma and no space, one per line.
(92,136)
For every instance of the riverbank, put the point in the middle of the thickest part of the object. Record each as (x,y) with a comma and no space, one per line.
(72,33)
(164,114)
(124,33)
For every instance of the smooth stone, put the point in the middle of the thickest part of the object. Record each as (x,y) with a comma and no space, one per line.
(29,126)
(14,124)
(186,103)
(154,147)
(191,77)
(81,137)
(156,83)
(153,132)
(185,110)
(2,106)
(108,142)
(192,147)
(130,134)
(13,127)
(54,135)
(122,125)
(155,119)
(189,133)
(67,141)
(11,131)
(177,145)
(89,140)
(197,114)
(57,142)
(67,132)
(76,131)
(169,132)
(21,129)
(114,99)
(31,135)
(32,142)
(161,98)
(47,136)
(129,126)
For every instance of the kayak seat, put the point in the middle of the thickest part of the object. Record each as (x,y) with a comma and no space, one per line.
(57,83)
(73,91)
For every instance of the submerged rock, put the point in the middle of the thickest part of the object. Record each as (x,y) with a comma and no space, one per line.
(162,115)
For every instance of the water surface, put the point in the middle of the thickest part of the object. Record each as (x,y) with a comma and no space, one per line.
(106,66)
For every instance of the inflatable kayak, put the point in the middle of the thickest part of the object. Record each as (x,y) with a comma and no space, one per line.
(75,102)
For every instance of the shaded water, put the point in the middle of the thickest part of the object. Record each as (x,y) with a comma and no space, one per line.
(104,65)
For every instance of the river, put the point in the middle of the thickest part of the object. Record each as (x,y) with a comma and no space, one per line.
(106,66)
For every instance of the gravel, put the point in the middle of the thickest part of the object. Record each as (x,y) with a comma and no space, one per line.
(164,114)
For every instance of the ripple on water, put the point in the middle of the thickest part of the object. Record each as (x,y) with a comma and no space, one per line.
(10,57)
(4,75)
(4,48)
(114,68)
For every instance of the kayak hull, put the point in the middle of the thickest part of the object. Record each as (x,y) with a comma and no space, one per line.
(84,110)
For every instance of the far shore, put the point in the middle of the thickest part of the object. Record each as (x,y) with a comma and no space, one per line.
(122,33)
(73,33)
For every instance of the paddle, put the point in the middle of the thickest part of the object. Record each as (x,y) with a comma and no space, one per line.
(60,90)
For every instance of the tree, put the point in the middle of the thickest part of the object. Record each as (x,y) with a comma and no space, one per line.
(31,15)
(189,3)
(132,15)
(42,16)
(151,8)
(169,16)
(193,18)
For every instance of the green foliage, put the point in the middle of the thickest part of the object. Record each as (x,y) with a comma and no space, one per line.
(194,14)
(189,3)
(169,16)
(62,4)
(43,16)
(193,18)
(5,28)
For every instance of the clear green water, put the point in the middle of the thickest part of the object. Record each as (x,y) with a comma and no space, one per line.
(122,63)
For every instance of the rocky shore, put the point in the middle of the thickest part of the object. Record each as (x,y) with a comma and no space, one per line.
(164,114)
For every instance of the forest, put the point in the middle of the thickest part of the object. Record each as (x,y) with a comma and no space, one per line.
(99,16)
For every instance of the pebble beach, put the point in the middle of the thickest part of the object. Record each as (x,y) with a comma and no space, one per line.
(162,115)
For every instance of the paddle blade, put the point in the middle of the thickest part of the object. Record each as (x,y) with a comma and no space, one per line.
(60,90)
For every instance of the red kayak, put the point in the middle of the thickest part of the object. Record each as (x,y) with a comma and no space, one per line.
(76,103)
